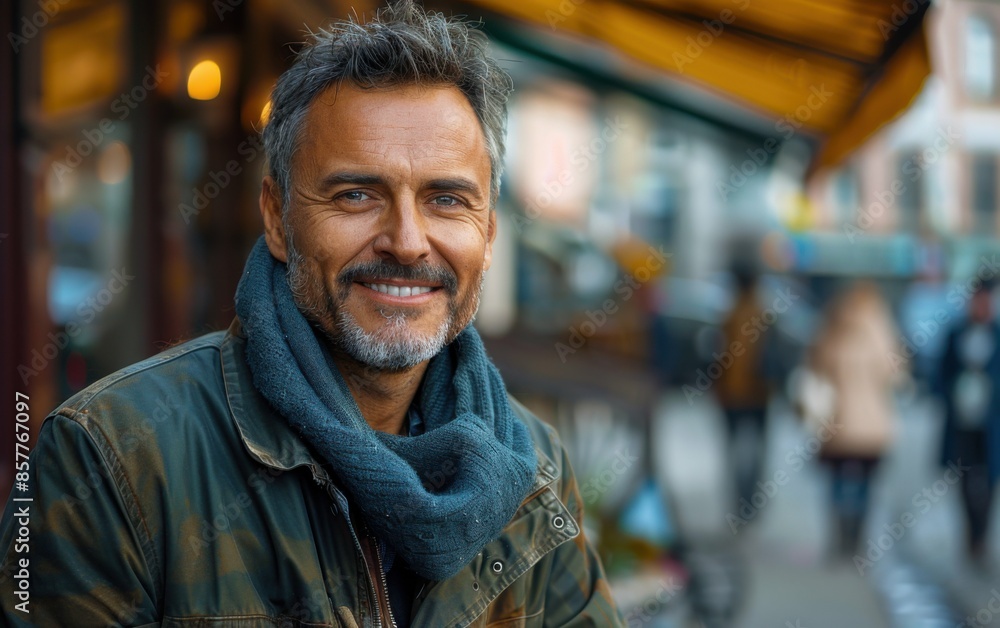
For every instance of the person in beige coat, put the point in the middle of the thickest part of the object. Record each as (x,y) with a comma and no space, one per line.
(856,353)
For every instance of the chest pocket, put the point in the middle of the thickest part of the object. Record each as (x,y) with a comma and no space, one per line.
(515,607)
(528,621)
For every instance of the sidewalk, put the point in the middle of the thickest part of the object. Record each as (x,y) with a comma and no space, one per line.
(789,582)
(789,596)
(934,546)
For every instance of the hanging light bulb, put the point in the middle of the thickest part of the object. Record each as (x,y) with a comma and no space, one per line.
(205,81)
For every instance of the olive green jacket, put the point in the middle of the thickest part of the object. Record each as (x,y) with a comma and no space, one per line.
(171,494)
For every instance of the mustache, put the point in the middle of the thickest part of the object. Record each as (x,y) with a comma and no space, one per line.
(381,269)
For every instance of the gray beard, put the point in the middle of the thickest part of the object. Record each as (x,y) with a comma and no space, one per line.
(392,347)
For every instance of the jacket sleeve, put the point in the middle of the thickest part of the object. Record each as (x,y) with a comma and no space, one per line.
(943,386)
(578,593)
(85,563)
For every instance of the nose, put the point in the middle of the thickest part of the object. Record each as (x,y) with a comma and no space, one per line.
(403,234)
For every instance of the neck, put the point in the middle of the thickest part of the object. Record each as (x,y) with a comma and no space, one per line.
(382,396)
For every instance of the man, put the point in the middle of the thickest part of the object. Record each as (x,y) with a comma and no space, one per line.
(968,383)
(743,388)
(346,454)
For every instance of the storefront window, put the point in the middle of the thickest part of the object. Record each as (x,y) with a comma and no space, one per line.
(980,59)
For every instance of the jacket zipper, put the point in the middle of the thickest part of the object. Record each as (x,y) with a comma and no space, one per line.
(380,600)
(384,597)
(380,594)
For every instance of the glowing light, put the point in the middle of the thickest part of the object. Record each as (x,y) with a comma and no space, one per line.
(265,113)
(205,81)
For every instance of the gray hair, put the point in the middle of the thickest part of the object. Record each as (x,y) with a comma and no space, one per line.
(402,44)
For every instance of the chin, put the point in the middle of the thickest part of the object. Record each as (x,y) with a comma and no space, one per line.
(394,345)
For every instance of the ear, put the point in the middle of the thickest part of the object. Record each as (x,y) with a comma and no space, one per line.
(270,211)
(491,235)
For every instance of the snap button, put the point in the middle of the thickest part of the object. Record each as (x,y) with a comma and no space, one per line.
(558,522)
(497,566)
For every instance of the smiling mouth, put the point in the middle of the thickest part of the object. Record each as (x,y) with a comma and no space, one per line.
(399,291)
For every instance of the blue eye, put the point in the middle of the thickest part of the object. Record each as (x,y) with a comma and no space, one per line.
(451,201)
(354,195)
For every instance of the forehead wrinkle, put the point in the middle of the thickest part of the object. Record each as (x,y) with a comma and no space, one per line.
(425,145)
(437,144)
(401,160)
(416,153)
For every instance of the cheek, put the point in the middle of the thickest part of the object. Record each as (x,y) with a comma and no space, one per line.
(331,249)
(463,246)
(466,262)
(329,233)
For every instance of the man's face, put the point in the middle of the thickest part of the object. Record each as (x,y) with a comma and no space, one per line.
(390,225)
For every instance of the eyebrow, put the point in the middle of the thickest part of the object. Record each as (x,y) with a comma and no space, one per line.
(457,184)
(354,178)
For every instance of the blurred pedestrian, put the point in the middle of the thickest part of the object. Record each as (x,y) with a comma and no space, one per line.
(967,384)
(853,354)
(742,389)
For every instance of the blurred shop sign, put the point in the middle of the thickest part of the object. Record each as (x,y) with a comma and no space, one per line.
(836,254)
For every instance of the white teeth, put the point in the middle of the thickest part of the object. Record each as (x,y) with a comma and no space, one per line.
(398,291)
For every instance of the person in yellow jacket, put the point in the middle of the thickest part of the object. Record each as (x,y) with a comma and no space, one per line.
(742,389)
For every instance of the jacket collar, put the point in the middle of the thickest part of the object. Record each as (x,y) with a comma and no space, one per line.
(268,437)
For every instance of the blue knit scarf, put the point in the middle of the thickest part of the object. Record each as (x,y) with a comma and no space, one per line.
(437,498)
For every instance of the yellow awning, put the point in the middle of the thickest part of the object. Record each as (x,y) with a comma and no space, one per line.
(838,69)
